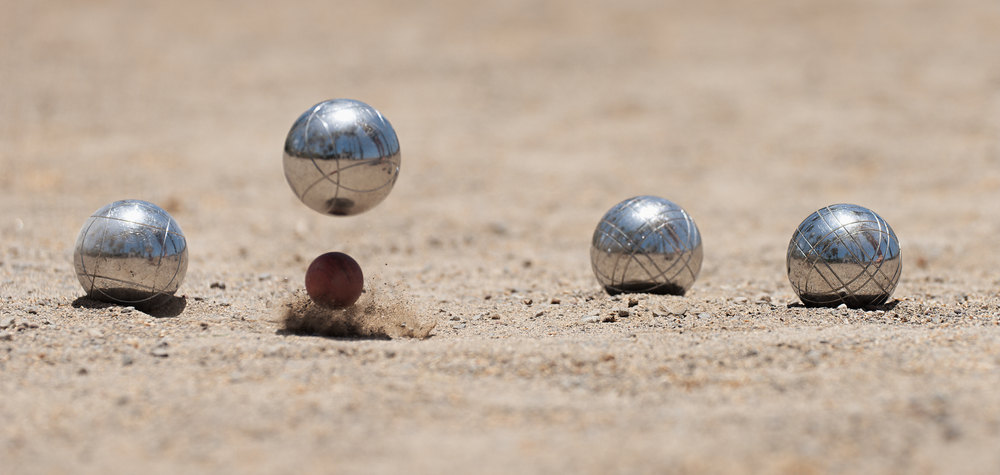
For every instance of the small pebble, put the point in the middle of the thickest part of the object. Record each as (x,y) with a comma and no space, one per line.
(623,313)
(32,310)
(6,336)
(741,300)
(555,301)
(458,326)
(455,318)
(94,333)
(591,319)
(126,360)
(128,309)
(7,322)
(610,319)
(664,310)
(704,315)
(632,302)
(159,352)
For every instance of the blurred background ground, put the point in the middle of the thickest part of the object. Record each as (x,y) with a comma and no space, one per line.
(520,124)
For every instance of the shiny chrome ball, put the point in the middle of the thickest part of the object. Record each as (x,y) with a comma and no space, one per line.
(131,252)
(646,244)
(341,157)
(844,254)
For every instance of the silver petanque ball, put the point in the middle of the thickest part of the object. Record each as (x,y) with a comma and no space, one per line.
(341,157)
(646,244)
(844,254)
(131,252)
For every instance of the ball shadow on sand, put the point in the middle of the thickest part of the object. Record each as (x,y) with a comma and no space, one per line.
(168,307)
(868,308)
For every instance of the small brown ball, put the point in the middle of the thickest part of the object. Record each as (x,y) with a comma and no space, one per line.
(334,280)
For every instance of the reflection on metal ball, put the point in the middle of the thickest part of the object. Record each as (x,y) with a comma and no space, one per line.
(646,244)
(131,252)
(341,157)
(844,254)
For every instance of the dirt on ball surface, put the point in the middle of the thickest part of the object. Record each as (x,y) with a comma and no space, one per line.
(334,280)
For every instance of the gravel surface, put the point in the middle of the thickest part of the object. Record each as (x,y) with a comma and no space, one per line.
(482,342)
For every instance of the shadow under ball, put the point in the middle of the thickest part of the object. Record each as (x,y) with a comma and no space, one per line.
(131,252)
(646,244)
(341,157)
(844,254)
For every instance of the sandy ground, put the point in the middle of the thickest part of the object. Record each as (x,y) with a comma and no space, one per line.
(520,123)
